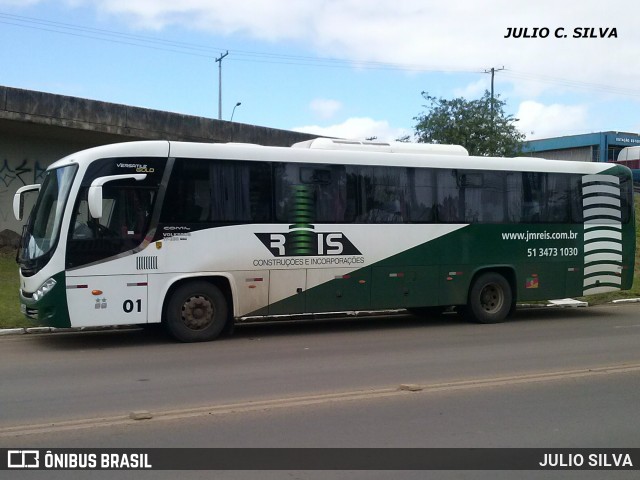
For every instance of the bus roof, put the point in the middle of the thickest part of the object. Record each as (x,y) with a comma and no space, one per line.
(402,155)
(395,147)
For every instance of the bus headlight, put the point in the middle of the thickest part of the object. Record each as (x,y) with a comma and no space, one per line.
(45,288)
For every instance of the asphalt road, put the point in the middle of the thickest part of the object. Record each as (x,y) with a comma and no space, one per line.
(549,378)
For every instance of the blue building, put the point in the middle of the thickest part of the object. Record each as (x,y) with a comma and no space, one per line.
(588,147)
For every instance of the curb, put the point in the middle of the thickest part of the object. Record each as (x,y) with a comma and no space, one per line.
(13,331)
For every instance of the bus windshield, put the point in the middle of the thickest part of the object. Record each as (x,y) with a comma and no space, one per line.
(43,228)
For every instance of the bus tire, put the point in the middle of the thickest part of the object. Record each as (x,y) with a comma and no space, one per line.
(196,312)
(490,299)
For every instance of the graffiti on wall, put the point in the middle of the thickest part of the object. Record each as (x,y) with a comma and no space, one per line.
(13,175)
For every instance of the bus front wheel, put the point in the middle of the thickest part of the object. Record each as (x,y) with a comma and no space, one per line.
(490,299)
(196,312)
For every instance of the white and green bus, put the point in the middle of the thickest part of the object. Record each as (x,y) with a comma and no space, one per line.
(200,236)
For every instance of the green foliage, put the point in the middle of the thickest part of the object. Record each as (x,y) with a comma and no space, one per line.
(481,126)
(10,315)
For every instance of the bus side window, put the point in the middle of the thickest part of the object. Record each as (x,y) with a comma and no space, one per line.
(126,213)
(494,208)
(448,195)
(533,202)
(577,215)
(328,187)
(310,193)
(386,194)
(514,199)
(285,176)
(558,207)
(421,195)
(81,228)
(626,198)
(352,205)
(218,192)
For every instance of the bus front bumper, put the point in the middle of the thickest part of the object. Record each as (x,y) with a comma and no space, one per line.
(51,309)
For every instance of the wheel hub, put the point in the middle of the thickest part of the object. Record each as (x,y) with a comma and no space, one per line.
(491,298)
(197,312)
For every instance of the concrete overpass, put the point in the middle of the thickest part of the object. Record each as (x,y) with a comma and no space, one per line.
(37,128)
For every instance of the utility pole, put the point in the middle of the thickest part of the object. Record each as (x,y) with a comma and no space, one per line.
(219,61)
(493,72)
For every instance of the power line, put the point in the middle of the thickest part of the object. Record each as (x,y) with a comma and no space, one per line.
(186,48)
(198,50)
(571,83)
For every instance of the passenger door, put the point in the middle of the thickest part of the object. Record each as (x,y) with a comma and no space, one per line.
(106,262)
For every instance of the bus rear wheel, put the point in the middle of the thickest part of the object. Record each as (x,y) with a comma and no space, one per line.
(490,299)
(196,312)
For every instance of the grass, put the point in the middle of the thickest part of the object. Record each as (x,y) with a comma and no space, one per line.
(11,317)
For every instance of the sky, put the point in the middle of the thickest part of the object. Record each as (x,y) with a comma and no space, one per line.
(345,68)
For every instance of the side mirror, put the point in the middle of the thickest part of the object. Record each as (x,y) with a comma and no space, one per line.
(94,197)
(18,200)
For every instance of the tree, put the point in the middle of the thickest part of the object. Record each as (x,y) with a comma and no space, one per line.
(480,126)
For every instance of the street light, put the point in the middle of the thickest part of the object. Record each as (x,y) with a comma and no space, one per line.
(234,110)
